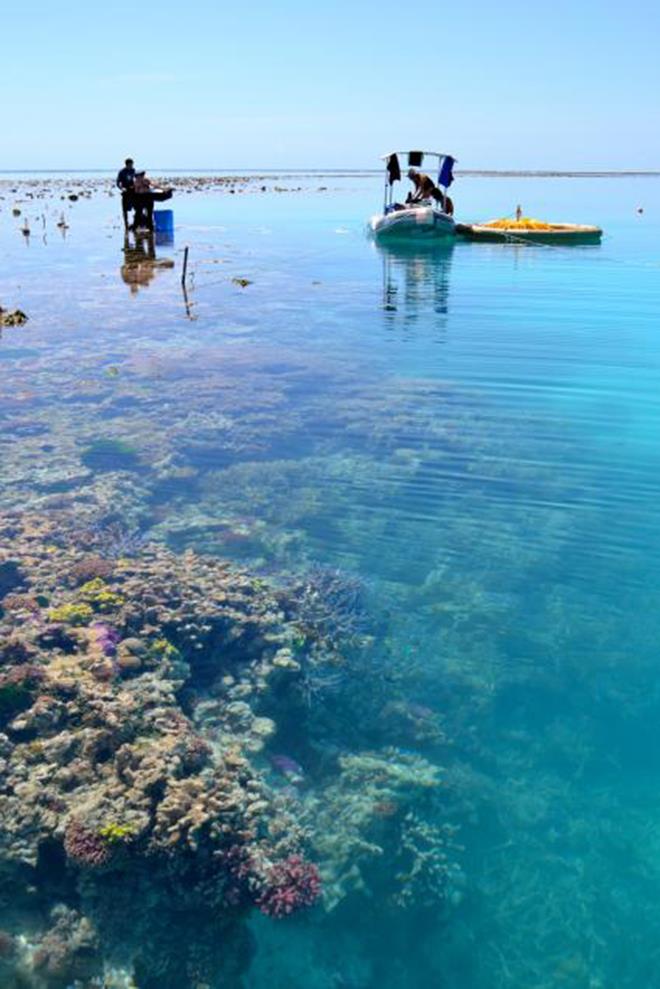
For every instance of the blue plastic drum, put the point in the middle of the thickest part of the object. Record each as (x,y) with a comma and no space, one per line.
(164,221)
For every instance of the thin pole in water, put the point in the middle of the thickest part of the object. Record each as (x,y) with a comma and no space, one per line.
(184,272)
(185,267)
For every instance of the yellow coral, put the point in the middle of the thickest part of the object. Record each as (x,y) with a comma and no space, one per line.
(100,596)
(93,586)
(114,834)
(71,614)
(163,649)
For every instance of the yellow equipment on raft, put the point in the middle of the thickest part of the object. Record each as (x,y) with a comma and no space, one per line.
(530,230)
(524,223)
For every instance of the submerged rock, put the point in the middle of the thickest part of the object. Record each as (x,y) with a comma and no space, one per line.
(12,317)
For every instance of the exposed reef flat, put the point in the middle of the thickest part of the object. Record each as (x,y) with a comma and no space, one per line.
(72,186)
(24,190)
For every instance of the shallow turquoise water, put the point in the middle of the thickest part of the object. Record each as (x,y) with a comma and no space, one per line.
(474,431)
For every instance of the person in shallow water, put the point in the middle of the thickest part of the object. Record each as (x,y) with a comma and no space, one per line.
(125,182)
(141,182)
(139,195)
(144,203)
(425,188)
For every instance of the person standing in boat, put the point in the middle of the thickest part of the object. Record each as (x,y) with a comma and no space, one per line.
(125,182)
(425,188)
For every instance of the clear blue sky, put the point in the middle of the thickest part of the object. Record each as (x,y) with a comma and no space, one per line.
(520,83)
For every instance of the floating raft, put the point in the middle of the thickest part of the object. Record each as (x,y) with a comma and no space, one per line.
(530,231)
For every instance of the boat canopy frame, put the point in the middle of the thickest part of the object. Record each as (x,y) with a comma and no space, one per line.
(415,160)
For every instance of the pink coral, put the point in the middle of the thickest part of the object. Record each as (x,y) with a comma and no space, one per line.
(291,885)
(84,846)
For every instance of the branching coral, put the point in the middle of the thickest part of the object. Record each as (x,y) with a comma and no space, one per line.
(84,846)
(359,820)
(290,886)
(329,604)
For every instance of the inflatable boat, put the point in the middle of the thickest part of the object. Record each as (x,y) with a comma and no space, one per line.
(412,222)
(424,218)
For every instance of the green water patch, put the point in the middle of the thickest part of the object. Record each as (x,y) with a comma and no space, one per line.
(108,454)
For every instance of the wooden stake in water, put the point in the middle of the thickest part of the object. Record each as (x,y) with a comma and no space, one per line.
(183,284)
(185,266)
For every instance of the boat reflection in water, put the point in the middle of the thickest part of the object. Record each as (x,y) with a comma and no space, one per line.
(415,281)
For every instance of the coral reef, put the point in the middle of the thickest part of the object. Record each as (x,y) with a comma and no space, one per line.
(379,810)
(106,782)
(138,783)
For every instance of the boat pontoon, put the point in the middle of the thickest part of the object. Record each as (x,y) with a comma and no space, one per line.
(425,218)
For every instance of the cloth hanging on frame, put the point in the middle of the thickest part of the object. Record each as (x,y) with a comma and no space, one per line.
(393,169)
(446,173)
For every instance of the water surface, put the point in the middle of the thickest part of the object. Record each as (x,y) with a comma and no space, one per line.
(471,430)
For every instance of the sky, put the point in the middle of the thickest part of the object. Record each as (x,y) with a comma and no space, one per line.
(516,84)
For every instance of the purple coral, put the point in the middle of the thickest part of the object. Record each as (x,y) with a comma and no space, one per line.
(291,885)
(84,846)
(106,637)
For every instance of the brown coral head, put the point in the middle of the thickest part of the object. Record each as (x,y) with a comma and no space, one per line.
(7,945)
(17,687)
(194,751)
(90,568)
(386,808)
(21,602)
(16,650)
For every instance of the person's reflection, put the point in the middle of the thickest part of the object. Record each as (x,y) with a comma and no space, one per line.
(140,263)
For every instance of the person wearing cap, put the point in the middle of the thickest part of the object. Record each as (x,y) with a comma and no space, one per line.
(141,183)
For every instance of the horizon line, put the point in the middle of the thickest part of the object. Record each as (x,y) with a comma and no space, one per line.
(541,172)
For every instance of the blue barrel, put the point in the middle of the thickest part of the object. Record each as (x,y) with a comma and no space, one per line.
(164,221)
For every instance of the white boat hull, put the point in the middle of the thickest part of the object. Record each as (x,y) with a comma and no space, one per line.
(413,222)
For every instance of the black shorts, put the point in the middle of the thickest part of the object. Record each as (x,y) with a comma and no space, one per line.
(127,200)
